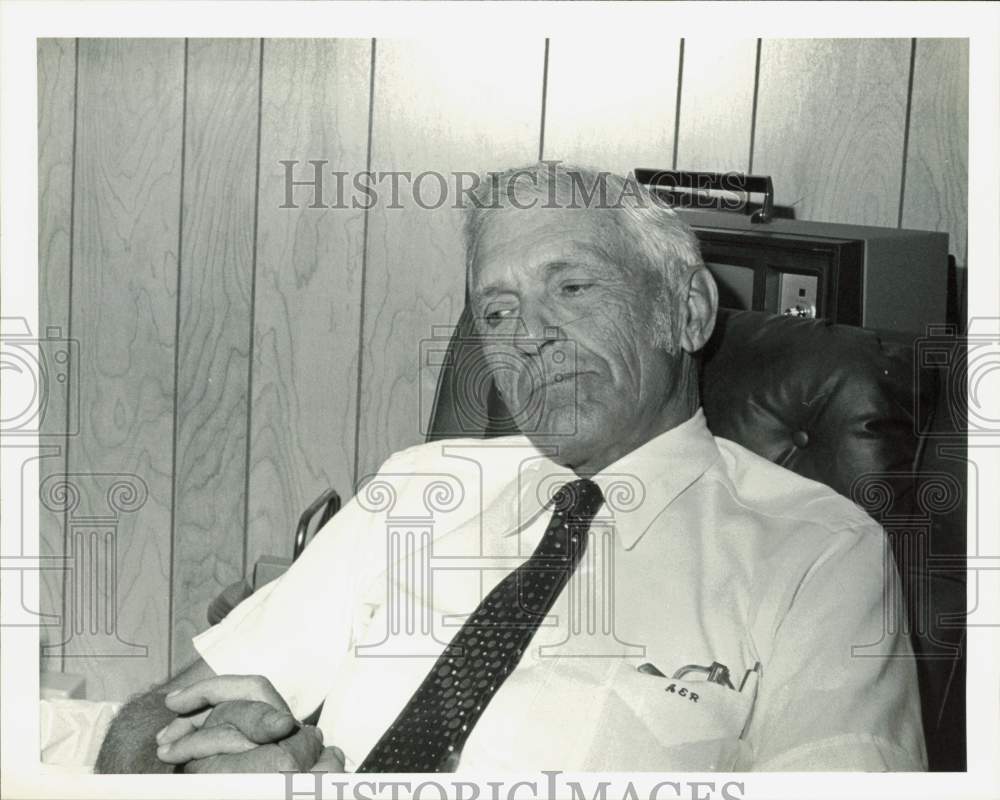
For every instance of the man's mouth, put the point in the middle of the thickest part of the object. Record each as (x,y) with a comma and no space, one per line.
(559,379)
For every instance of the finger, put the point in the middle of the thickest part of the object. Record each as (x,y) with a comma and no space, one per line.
(203,743)
(305,747)
(222,688)
(181,726)
(266,758)
(330,760)
(207,765)
(262,723)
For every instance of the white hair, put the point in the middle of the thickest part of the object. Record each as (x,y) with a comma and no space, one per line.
(643,231)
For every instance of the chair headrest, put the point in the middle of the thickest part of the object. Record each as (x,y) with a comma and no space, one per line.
(834,403)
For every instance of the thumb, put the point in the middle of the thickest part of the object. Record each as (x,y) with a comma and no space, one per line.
(261,723)
(305,747)
(330,760)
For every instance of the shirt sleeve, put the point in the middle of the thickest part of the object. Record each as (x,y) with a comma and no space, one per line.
(838,689)
(296,630)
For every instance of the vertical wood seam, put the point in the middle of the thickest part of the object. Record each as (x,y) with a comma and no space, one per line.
(677,102)
(364,272)
(753,107)
(545,95)
(177,360)
(253,305)
(906,130)
(69,338)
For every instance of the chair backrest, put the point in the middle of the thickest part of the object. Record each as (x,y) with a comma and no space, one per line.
(838,404)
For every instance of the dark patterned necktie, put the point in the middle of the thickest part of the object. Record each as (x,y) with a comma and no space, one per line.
(430,731)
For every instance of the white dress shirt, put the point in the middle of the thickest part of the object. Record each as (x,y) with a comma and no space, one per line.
(769,604)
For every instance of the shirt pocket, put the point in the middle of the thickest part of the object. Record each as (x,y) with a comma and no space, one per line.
(654,723)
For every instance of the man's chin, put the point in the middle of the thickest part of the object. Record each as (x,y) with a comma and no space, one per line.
(552,427)
(566,443)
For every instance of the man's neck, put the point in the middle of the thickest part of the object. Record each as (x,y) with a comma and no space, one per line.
(677,414)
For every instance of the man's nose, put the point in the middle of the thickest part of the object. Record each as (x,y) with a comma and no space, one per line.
(538,328)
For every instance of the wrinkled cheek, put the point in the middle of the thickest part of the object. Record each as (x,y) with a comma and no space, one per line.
(620,322)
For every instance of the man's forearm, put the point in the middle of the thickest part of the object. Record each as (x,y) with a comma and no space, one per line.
(130,744)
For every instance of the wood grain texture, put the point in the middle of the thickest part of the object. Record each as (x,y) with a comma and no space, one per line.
(127,203)
(444,106)
(937,172)
(56,78)
(611,113)
(716,112)
(830,126)
(309,277)
(213,339)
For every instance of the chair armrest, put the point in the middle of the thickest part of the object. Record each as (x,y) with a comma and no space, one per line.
(323,508)
(268,568)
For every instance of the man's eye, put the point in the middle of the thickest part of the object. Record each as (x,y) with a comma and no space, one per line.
(576,288)
(496,316)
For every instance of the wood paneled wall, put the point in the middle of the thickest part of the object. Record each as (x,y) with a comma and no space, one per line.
(237,357)
(310,275)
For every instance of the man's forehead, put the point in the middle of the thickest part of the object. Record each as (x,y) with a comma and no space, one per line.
(538,238)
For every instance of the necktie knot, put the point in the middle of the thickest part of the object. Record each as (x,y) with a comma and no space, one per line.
(579,499)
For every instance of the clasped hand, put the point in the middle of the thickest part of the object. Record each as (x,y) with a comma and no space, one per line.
(239,723)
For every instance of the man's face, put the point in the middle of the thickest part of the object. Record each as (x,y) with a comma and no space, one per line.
(569,335)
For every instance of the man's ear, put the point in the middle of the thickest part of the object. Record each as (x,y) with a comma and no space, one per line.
(699,309)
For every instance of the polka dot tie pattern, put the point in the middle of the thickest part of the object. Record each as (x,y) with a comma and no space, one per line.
(430,731)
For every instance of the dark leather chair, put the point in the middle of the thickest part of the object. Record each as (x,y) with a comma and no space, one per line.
(878,418)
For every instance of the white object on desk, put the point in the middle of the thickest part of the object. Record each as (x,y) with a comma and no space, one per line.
(72,732)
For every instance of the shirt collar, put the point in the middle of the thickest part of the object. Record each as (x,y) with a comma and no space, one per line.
(640,485)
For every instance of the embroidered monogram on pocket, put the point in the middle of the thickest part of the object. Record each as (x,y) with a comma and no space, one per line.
(703,718)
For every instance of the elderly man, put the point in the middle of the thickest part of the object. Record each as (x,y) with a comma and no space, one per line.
(615,589)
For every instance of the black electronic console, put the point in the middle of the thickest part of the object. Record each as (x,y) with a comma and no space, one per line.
(884,278)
